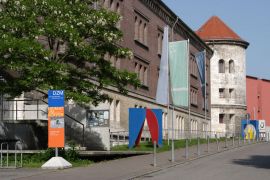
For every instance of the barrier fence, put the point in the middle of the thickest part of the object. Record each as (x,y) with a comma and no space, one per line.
(9,156)
(122,137)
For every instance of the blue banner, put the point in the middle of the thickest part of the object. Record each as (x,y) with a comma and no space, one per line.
(200,59)
(56,98)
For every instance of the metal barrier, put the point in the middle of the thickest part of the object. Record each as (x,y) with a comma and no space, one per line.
(6,158)
(4,143)
(35,109)
(16,152)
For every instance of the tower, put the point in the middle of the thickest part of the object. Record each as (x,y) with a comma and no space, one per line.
(228,73)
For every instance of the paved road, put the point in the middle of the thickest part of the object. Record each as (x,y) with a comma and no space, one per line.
(252,163)
(244,162)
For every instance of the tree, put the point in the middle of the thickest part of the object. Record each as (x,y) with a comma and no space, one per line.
(60,44)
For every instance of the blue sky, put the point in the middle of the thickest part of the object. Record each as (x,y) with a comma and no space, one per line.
(250,19)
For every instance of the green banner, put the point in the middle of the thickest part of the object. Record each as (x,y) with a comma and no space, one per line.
(178,60)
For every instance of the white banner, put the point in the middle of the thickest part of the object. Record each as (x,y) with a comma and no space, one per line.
(262,126)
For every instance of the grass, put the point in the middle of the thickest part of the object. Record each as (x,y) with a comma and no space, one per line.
(37,160)
(148,146)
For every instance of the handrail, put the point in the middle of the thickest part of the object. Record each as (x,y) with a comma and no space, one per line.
(38,110)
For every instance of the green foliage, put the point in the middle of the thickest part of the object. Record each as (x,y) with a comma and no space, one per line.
(61,44)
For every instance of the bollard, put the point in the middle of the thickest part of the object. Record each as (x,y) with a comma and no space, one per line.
(207,144)
(239,139)
(155,154)
(198,147)
(118,143)
(226,141)
(233,141)
(186,150)
(217,144)
(172,150)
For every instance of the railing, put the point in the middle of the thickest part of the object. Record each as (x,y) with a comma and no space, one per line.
(122,137)
(23,110)
(30,110)
(7,155)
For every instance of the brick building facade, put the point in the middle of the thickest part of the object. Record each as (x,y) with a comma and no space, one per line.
(258,98)
(142,25)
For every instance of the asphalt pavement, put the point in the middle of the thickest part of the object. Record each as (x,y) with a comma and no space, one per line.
(227,162)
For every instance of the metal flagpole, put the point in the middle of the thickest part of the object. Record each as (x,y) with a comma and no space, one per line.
(172,103)
(188,76)
(205,80)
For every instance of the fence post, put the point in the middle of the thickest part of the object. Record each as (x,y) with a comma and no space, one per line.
(233,140)
(16,110)
(217,143)
(155,154)
(239,139)
(2,108)
(37,109)
(198,146)
(226,145)
(208,144)
(186,150)
(118,138)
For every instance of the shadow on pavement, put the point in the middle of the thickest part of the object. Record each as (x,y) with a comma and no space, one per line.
(255,161)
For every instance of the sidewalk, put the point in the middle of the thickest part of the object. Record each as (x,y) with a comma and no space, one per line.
(126,168)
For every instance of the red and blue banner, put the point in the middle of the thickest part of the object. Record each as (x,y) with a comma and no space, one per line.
(137,117)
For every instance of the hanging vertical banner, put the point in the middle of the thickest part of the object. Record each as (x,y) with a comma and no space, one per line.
(200,59)
(163,79)
(178,60)
(56,123)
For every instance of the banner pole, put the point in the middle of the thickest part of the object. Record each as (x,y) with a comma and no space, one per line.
(56,152)
(205,80)
(172,102)
(188,76)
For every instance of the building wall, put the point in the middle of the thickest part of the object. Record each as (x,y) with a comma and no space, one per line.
(231,104)
(155,15)
(145,44)
(258,97)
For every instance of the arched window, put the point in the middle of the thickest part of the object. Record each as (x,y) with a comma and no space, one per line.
(231,66)
(136,28)
(221,66)
(145,34)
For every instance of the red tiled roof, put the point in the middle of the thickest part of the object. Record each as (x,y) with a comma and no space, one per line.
(216,29)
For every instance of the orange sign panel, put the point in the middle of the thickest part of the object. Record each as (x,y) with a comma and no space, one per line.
(56,127)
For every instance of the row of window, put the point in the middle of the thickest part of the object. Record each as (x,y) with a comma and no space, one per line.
(193,125)
(180,123)
(194,96)
(160,39)
(229,94)
(223,117)
(115,62)
(221,66)
(193,66)
(141,29)
(142,73)
(113,5)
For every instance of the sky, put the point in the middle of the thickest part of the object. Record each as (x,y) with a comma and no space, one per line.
(250,19)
